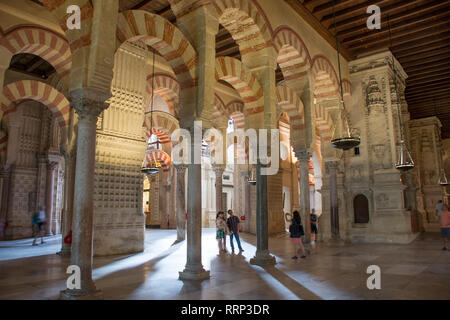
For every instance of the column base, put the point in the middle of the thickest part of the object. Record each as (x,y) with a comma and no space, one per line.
(81,295)
(64,252)
(198,275)
(263,259)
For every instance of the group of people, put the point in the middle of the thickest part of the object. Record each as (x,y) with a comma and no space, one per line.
(230,227)
(226,227)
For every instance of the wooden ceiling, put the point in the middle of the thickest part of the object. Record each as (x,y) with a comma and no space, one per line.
(420,41)
(420,37)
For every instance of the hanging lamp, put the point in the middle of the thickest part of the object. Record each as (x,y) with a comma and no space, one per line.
(348,138)
(404,159)
(154,166)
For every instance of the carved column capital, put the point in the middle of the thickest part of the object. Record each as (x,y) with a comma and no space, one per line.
(218,170)
(181,168)
(302,155)
(88,103)
(51,165)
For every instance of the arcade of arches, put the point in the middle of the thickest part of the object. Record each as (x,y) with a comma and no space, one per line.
(82,111)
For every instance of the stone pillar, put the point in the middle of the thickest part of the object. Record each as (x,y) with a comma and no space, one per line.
(247,208)
(262,255)
(181,203)
(303,157)
(88,104)
(49,188)
(334,207)
(194,269)
(69,184)
(5,176)
(218,170)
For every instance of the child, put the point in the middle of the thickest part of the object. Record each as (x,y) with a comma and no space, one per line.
(296,231)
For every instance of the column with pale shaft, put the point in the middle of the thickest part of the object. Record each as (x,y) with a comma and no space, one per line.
(49,194)
(88,104)
(194,269)
(303,158)
(334,206)
(181,202)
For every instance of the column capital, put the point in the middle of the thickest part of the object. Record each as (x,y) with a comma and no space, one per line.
(181,168)
(51,165)
(88,103)
(218,169)
(332,163)
(302,154)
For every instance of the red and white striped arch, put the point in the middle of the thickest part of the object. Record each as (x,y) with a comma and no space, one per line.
(38,91)
(246,22)
(219,112)
(159,33)
(235,110)
(326,83)
(160,156)
(242,79)
(293,55)
(289,102)
(164,124)
(3,144)
(168,88)
(79,40)
(46,44)
(323,122)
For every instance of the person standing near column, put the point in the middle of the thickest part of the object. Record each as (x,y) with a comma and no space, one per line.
(314,229)
(445,225)
(233,226)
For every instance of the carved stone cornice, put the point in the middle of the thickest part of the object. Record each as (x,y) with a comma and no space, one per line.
(88,103)
(181,168)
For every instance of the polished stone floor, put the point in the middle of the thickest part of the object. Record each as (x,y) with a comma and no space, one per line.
(420,270)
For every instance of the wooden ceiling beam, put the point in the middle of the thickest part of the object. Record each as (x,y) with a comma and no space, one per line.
(406,42)
(419,62)
(431,53)
(303,12)
(401,23)
(427,80)
(419,31)
(418,93)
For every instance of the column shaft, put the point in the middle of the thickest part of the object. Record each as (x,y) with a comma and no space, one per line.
(334,208)
(181,203)
(49,188)
(304,193)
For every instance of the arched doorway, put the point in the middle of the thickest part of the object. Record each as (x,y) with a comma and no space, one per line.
(361,209)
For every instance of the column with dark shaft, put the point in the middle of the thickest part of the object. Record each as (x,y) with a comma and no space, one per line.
(49,187)
(181,202)
(88,104)
(69,184)
(334,208)
(262,255)
(303,157)
(194,269)
(218,170)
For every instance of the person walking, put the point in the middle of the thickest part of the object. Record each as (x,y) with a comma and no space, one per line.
(39,221)
(296,231)
(314,229)
(233,225)
(221,230)
(445,225)
(439,207)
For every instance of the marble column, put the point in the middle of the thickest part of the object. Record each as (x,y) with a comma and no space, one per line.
(262,256)
(49,195)
(181,202)
(88,104)
(5,176)
(334,207)
(218,170)
(246,200)
(69,184)
(194,269)
(304,157)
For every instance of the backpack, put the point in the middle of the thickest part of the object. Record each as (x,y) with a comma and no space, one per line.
(296,230)
(35,218)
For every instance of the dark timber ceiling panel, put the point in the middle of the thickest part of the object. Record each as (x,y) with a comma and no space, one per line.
(420,37)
